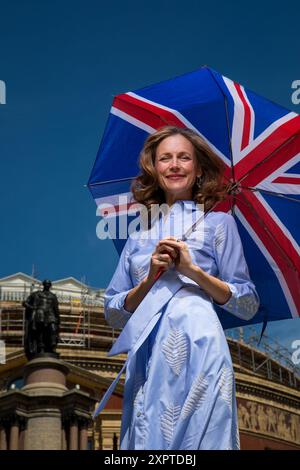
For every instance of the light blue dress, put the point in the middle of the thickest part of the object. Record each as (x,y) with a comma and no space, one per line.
(180,388)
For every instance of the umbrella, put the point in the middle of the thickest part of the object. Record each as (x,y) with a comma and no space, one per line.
(259,142)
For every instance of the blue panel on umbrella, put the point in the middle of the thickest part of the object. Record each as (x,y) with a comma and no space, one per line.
(294,169)
(191,89)
(265,111)
(119,151)
(198,98)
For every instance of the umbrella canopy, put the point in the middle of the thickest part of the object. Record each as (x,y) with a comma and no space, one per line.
(259,142)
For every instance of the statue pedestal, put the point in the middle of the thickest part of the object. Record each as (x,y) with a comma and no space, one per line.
(45,414)
(45,380)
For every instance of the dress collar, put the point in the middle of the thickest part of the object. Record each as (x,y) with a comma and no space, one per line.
(187,204)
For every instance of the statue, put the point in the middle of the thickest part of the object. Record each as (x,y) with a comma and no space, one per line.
(41,322)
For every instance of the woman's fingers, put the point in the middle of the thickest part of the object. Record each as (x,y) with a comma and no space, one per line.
(163,257)
(172,241)
(170,250)
(176,245)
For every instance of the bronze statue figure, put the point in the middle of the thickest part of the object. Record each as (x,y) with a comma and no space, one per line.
(41,322)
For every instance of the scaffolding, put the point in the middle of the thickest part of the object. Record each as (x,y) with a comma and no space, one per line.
(270,359)
(80,319)
(83,327)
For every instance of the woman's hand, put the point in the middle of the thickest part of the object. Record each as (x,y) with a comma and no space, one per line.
(183,261)
(214,287)
(162,259)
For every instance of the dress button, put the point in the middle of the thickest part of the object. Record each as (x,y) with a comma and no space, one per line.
(138,414)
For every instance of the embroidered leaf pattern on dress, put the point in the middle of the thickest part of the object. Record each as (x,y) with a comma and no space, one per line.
(168,422)
(126,256)
(226,384)
(219,328)
(247,303)
(139,273)
(237,439)
(196,396)
(175,349)
(220,236)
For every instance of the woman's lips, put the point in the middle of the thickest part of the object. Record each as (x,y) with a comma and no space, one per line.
(175,177)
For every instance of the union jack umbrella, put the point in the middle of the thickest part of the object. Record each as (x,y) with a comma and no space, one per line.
(258,140)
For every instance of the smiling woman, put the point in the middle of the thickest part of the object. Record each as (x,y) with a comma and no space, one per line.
(180,389)
(176,166)
(172,161)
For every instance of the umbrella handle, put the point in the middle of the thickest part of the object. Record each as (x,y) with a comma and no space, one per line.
(158,274)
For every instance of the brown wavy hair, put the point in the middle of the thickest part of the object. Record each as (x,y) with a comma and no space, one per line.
(145,187)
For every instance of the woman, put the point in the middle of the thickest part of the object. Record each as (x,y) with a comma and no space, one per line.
(179,390)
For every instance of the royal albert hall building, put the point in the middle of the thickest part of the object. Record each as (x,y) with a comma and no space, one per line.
(268,389)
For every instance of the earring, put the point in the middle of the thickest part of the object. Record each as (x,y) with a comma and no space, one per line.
(199,181)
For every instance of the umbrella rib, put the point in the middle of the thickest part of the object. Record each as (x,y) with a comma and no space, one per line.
(229,137)
(243,200)
(272,193)
(233,181)
(227,122)
(111,181)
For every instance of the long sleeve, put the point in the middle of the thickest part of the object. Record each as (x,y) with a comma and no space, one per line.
(117,290)
(233,270)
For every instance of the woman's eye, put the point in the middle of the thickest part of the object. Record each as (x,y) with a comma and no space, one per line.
(182,157)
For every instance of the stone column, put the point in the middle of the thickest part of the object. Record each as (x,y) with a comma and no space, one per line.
(63,438)
(22,439)
(3,438)
(100,434)
(22,433)
(73,444)
(83,436)
(14,435)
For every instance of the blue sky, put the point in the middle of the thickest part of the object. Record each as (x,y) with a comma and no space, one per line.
(63,61)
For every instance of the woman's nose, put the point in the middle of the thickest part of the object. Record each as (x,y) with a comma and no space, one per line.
(174,163)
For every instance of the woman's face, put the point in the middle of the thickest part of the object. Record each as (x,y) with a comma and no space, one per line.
(176,167)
